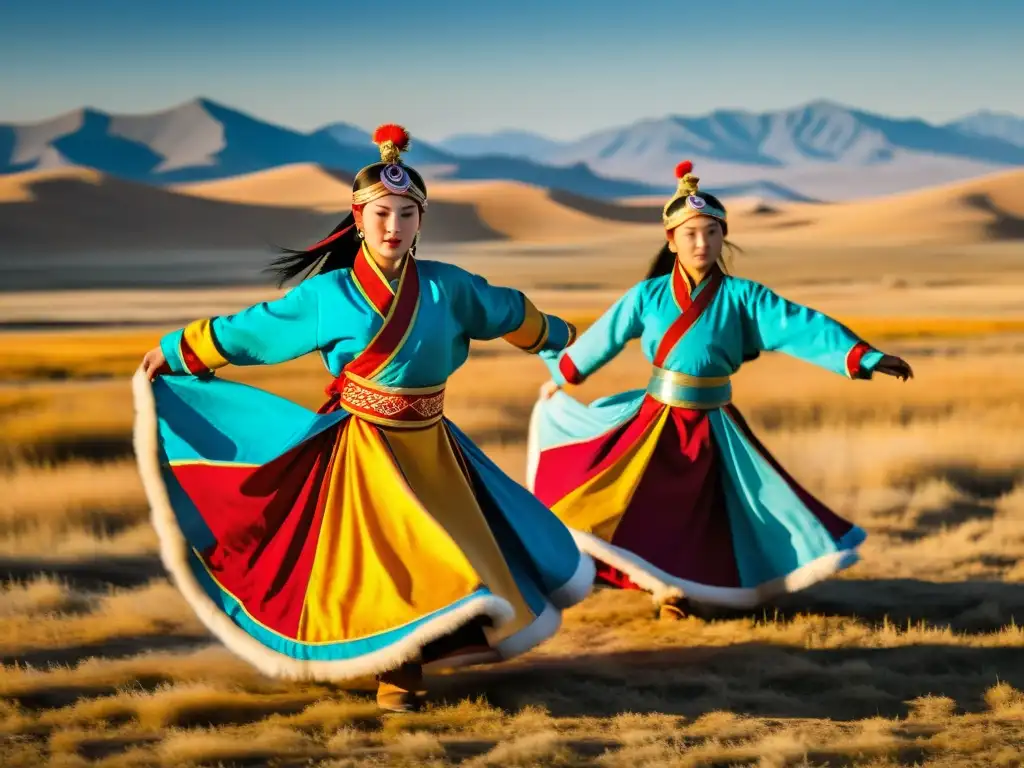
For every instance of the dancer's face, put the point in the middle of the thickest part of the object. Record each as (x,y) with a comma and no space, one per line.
(389,225)
(697,244)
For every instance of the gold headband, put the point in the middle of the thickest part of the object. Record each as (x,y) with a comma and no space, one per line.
(395,178)
(375,191)
(695,205)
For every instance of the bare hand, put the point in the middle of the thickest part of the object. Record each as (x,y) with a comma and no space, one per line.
(154,363)
(548,389)
(891,365)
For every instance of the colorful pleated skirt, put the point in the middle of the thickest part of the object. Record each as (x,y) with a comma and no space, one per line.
(670,491)
(338,544)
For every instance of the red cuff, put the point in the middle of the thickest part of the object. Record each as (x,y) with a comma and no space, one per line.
(569,370)
(191,359)
(853,358)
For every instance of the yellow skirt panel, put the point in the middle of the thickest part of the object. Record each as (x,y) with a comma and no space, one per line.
(381,561)
(436,478)
(402,536)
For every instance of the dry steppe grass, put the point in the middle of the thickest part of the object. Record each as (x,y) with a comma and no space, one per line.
(913,657)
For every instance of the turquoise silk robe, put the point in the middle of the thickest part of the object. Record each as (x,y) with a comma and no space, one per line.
(667,487)
(341,543)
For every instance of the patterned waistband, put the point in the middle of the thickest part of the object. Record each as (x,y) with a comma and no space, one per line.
(680,390)
(390,406)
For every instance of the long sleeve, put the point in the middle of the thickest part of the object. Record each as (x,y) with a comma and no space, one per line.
(263,334)
(490,312)
(775,324)
(601,342)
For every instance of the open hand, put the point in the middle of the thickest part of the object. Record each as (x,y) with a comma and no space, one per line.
(891,365)
(154,363)
(548,389)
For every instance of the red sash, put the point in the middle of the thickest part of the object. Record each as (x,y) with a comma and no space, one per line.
(691,309)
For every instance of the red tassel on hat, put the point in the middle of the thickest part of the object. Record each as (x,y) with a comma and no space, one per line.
(396,134)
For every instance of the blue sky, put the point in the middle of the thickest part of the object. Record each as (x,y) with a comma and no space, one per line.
(560,68)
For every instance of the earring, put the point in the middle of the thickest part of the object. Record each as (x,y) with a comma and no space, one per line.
(360,233)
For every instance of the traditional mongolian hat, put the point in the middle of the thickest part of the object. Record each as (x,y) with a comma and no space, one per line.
(673,214)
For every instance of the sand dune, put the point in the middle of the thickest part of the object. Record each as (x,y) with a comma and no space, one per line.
(72,209)
(525,213)
(514,210)
(989,208)
(20,187)
(291,186)
(85,210)
(95,211)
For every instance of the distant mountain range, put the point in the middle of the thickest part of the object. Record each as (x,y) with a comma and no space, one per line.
(821,150)
(202,140)
(992,125)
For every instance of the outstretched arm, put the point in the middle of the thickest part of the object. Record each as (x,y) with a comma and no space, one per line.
(600,343)
(263,334)
(489,312)
(775,324)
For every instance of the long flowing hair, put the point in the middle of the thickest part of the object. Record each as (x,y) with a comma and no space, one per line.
(665,260)
(339,248)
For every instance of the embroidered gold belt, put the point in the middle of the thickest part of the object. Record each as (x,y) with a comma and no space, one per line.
(680,390)
(410,407)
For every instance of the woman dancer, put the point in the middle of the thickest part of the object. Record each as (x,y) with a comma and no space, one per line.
(668,488)
(373,536)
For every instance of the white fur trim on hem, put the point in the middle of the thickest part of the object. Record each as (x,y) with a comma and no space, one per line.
(579,585)
(174,552)
(529,637)
(664,586)
(532,635)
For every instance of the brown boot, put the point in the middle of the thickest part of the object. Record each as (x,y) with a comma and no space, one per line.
(398,690)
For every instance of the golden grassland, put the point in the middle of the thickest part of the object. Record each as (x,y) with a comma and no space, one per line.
(913,657)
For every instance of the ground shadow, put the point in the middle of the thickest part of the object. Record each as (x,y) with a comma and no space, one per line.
(970,607)
(99,574)
(110,648)
(60,449)
(750,678)
(988,485)
(933,521)
(978,492)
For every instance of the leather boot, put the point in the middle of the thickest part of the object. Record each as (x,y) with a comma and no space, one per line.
(399,689)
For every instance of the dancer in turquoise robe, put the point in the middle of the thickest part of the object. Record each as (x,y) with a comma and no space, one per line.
(667,487)
(372,537)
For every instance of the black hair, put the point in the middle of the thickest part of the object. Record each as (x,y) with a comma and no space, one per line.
(665,260)
(340,252)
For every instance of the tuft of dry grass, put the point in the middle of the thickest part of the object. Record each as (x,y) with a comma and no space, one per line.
(155,609)
(102,496)
(41,596)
